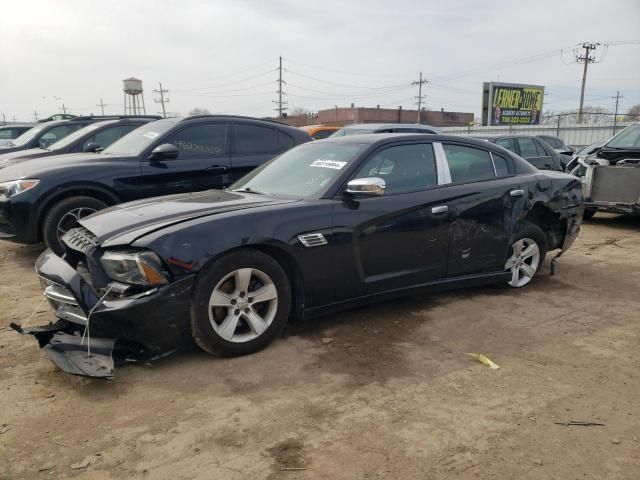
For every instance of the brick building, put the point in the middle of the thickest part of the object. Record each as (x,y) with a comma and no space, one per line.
(343,116)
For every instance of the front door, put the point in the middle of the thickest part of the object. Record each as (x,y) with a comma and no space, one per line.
(398,239)
(203,161)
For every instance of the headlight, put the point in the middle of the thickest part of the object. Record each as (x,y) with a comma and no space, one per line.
(134,267)
(14,187)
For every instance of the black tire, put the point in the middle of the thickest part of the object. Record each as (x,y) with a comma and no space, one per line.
(56,213)
(589,213)
(202,330)
(531,231)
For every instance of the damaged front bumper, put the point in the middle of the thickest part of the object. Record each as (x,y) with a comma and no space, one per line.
(95,330)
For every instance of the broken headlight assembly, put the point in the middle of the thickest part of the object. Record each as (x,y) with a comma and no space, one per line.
(14,187)
(136,267)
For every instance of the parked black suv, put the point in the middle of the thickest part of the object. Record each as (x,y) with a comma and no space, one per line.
(534,150)
(43,198)
(92,138)
(45,134)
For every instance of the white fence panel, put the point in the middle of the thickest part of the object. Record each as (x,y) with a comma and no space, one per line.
(575,135)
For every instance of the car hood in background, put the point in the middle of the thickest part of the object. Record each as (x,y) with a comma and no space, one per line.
(125,223)
(7,159)
(36,166)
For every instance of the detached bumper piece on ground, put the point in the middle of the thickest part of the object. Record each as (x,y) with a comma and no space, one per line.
(82,342)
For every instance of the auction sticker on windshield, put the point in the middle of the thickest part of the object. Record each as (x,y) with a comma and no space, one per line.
(150,134)
(336,165)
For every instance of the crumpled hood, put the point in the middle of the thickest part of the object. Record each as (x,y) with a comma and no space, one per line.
(125,223)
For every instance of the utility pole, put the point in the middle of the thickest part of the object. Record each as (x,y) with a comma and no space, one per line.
(35,115)
(281,105)
(64,109)
(162,99)
(615,116)
(4,120)
(101,105)
(587,58)
(14,119)
(419,97)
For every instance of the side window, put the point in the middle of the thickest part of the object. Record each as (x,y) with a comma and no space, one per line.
(468,164)
(501,165)
(404,168)
(542,152)
(527,147)
(104,138)
(285,142)
(8,133)
(205,140)
(57,133)
(507,143)
(254,140)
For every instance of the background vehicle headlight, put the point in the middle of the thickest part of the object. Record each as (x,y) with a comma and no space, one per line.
(14,187)
(134,267)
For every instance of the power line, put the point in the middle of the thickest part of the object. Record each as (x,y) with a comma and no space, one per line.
(234,82)
(340,84)
(162,100)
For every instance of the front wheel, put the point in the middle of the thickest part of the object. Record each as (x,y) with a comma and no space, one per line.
(526,255)
(241,303)
(63,216)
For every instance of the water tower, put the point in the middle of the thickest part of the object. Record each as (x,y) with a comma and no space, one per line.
(132,88)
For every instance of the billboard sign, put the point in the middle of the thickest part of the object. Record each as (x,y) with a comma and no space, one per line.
(512,104)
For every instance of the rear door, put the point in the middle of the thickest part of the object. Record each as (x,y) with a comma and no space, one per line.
(252,145)
(203,161)
(398,239)
(483,192)
(534,153)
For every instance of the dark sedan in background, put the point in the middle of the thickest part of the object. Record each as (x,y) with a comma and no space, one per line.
(45,134)
(326,226)
(92,138)
(43,198)
(534,150)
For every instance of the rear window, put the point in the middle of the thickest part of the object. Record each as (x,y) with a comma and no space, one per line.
(468,164)
(255,140)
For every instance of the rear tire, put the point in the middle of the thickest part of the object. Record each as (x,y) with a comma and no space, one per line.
(241,304)
(526,255)
(63,216)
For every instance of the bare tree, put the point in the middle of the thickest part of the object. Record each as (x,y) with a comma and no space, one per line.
(633,114)
(199,111)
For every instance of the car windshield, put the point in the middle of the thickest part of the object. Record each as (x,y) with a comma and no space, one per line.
(73,137)
(135,142)
(26,137)
(628,138)
(306,171)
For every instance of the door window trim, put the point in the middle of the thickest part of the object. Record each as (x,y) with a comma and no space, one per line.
(442,165)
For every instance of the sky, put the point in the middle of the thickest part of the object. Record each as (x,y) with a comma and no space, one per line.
(223,55)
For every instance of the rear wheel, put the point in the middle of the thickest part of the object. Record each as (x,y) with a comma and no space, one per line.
(64,215)
(526,255)
(241,303)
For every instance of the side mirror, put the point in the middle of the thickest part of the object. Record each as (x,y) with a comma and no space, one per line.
(366,187)
(166,151)
(92,147)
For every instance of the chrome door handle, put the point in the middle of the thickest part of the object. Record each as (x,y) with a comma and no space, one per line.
(440,209)
(516,193)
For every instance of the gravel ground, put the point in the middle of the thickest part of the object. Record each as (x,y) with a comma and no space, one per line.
(383,392)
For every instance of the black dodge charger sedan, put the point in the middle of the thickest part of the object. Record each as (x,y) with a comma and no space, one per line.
(325,226)
(43,198)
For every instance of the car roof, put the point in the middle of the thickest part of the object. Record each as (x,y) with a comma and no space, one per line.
(379,126)
(265,121)
(382,138)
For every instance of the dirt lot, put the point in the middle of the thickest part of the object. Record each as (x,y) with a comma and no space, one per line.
(393,395)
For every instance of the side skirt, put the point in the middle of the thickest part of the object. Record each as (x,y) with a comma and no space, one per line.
(463,281)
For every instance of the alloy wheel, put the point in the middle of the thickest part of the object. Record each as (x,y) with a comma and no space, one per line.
(70,219)
(243,305)
(524,262)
